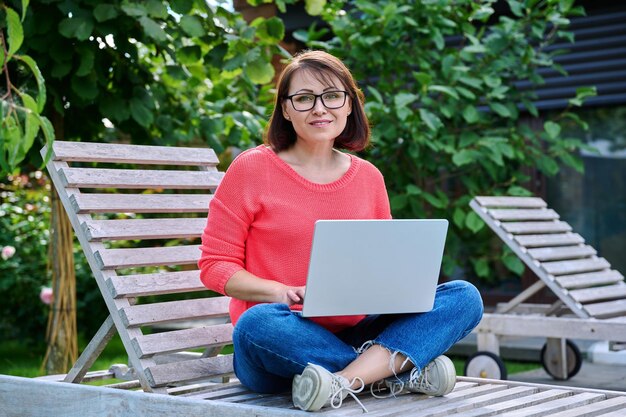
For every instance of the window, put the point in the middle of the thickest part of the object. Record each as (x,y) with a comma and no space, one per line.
(594,203)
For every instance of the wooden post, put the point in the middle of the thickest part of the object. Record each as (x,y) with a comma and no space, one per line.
(61,334)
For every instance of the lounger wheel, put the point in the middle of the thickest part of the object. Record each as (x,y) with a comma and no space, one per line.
(550,360)
(485,364)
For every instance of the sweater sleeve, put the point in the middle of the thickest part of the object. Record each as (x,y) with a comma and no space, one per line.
(231,212)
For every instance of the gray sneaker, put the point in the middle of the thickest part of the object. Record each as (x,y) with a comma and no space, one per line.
(437,378)
(316,388)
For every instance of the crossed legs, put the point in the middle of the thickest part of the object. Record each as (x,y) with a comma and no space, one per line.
(273,344)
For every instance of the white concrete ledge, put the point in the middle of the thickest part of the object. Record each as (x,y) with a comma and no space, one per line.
(21,397)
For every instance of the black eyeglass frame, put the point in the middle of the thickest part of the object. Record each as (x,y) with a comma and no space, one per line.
(345,96)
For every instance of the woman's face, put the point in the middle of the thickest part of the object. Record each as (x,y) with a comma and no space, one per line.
(312,120)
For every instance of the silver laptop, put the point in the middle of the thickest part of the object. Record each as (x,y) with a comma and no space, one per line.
(374,266)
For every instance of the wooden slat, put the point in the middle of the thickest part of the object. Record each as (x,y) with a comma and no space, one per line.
(402,405)
(610,292)
(559,239)
(191,370)
(139,178)
(519,202)
(179,340)
(178,357)
(590,279)
(190,390)
(463,385)
(283,400)
(561,252)
(463,401)
(555,327)
(552,407)
(137,154)
(575,266)
(607,309)
(517,403)
(207,389)
(155,284)
(517,215)
(219,392)
(140,203)
(134,257)
(536,227)
(265,400)
(89,376)
(177,228)
(595,409)
(618,413)
(150,314)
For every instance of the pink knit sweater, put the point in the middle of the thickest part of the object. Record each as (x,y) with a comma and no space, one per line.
(262,218)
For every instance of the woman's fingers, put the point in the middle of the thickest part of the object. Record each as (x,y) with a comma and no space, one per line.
(295,296)
(300,292)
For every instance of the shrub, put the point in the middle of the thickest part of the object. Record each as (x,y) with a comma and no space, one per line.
(24,219)
(24,225)
(450,119)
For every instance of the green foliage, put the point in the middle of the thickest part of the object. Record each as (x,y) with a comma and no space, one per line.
(24,215)
(159,72)
(21,118)
(312,7)
(24,225)
(449,119)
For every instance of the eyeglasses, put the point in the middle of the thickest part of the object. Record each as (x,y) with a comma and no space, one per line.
(330,100)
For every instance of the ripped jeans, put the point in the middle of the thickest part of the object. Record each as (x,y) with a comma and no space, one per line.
(272,343)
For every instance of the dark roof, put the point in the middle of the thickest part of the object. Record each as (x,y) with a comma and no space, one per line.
(596,58)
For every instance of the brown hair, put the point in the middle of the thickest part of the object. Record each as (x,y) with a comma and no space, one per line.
(280,134)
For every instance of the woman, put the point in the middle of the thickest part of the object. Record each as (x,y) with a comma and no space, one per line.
(256,249)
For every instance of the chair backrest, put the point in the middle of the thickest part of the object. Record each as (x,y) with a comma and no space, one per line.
(137,262)
(582,280)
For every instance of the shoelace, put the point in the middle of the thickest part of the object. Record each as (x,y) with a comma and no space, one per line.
(377,386)
(337,388)
(418,379)
(364,347)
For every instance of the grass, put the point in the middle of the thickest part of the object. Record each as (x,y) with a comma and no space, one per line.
(512,367)
(19,361)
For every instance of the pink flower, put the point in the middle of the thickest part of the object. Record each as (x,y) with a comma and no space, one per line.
(7,252)
(46,295)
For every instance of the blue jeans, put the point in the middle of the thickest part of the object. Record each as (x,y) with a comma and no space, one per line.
(272,343)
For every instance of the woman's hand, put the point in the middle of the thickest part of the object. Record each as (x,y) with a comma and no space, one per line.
(248,287)
(293,295)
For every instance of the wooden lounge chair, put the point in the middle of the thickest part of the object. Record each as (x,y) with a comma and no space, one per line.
(591,296)
(101,185)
